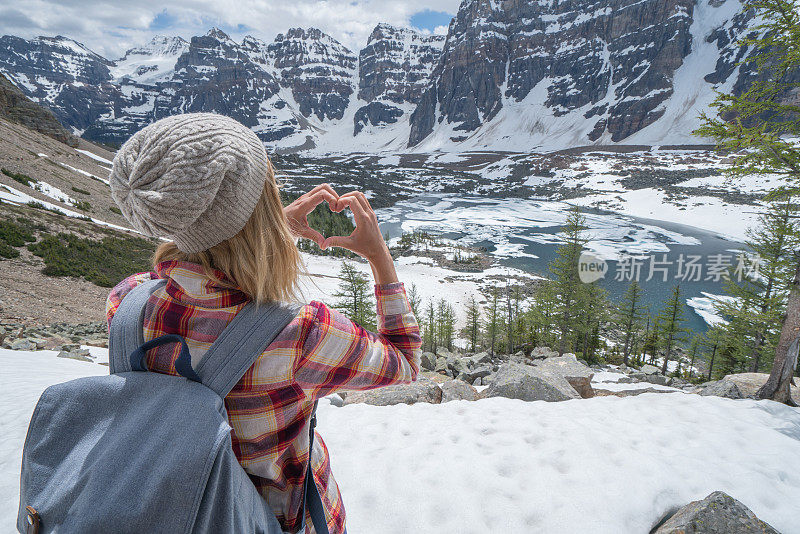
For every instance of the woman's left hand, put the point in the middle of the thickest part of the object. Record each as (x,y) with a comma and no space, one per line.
(297,212)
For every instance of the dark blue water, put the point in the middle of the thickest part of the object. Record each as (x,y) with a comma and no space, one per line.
(523,235)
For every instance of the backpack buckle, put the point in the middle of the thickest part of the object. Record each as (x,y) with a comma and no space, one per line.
(32,521)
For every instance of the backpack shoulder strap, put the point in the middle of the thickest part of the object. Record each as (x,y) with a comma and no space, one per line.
(126,335)
(238,346)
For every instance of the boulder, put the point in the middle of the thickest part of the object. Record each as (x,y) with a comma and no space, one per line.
(750,383)
(517,381)
(540,353)
(660,380)
(22,344)
(649,369)
(457,365)
(721,388)
(569,368)
(441,365)
(716,514)
(336,400)
(428,361)
(629,392)
(423,390)
(478,372)
(458,390)
(74,356)
(481,357)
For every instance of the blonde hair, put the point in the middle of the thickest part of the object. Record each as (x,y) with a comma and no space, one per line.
(262,260)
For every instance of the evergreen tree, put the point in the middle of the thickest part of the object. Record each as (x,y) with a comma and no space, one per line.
(567,284)
(414,300)
(759,127)
(670,319)
(445,324)
(694,350)
(429,336)
(629,316)
(355,297)
(713,340)
(472,330)
(592,306)
(493,321)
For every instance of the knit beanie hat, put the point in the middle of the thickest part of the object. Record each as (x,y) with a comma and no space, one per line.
(193,178)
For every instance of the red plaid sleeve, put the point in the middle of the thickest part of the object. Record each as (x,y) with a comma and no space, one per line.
(338,354)
(123,288)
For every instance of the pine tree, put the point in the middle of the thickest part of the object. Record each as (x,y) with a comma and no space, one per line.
(694,350)
(445,324)
(754,311)
(509,317)
(713,340)
(414,300)
(472,330)
(429,336)
(759,126)
(566,282)
(629,316)
(493,321)
(592,306)
(355,298)
(670,319)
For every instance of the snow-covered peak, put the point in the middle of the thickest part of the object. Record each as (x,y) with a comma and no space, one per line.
(152,62)
(406,35)
(219,35)
(309,46)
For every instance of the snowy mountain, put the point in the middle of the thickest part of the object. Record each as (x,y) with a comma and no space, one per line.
(514,76)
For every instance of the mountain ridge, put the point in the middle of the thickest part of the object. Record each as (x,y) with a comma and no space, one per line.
(512,76)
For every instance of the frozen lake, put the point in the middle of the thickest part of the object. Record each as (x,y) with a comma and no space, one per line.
(523,233)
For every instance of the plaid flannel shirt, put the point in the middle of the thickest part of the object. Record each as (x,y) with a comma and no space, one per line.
(319,352)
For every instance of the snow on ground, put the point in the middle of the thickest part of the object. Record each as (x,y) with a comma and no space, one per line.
(602,465)
(432,282)
(707,213)
(609,381)
(95,157)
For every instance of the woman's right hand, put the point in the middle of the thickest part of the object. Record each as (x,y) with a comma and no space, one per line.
(366,240)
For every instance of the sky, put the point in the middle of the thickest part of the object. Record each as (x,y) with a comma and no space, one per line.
(110,27)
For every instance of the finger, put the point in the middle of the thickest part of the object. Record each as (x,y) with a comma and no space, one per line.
(361,215)
(318,198)
(326,187)
(338,241)
(313,235)
(355,196)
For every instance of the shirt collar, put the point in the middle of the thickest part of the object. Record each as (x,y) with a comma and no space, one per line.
(189,283)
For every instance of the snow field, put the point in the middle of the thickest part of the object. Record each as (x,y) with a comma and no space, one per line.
(600,465)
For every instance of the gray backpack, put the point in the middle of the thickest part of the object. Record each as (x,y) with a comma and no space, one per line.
(141,452)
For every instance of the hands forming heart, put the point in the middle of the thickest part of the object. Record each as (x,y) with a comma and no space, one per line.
(366,240)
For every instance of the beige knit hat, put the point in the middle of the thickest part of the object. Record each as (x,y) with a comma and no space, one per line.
(193,178)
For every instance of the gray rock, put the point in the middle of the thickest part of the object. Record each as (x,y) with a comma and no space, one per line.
(543,352)
(458,390)
(428,361)
(22,344)
(517,381)
(478,372)
(719,513)
(457,365)
(661,380)
(649,369)
(423,390)
(73,356)
(722,388)
(336,400)
(441,365)
(481,357)
(570,369)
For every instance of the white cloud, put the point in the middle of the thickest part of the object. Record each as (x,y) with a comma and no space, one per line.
(110,28)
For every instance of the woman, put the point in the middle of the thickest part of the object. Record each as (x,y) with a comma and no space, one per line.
(204,182)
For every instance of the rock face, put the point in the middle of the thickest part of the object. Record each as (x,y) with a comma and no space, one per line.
(717,513)
(317,69)
(16,107)
(394,69)
(749,383)
(423,390)
(517,381)
(607,68)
